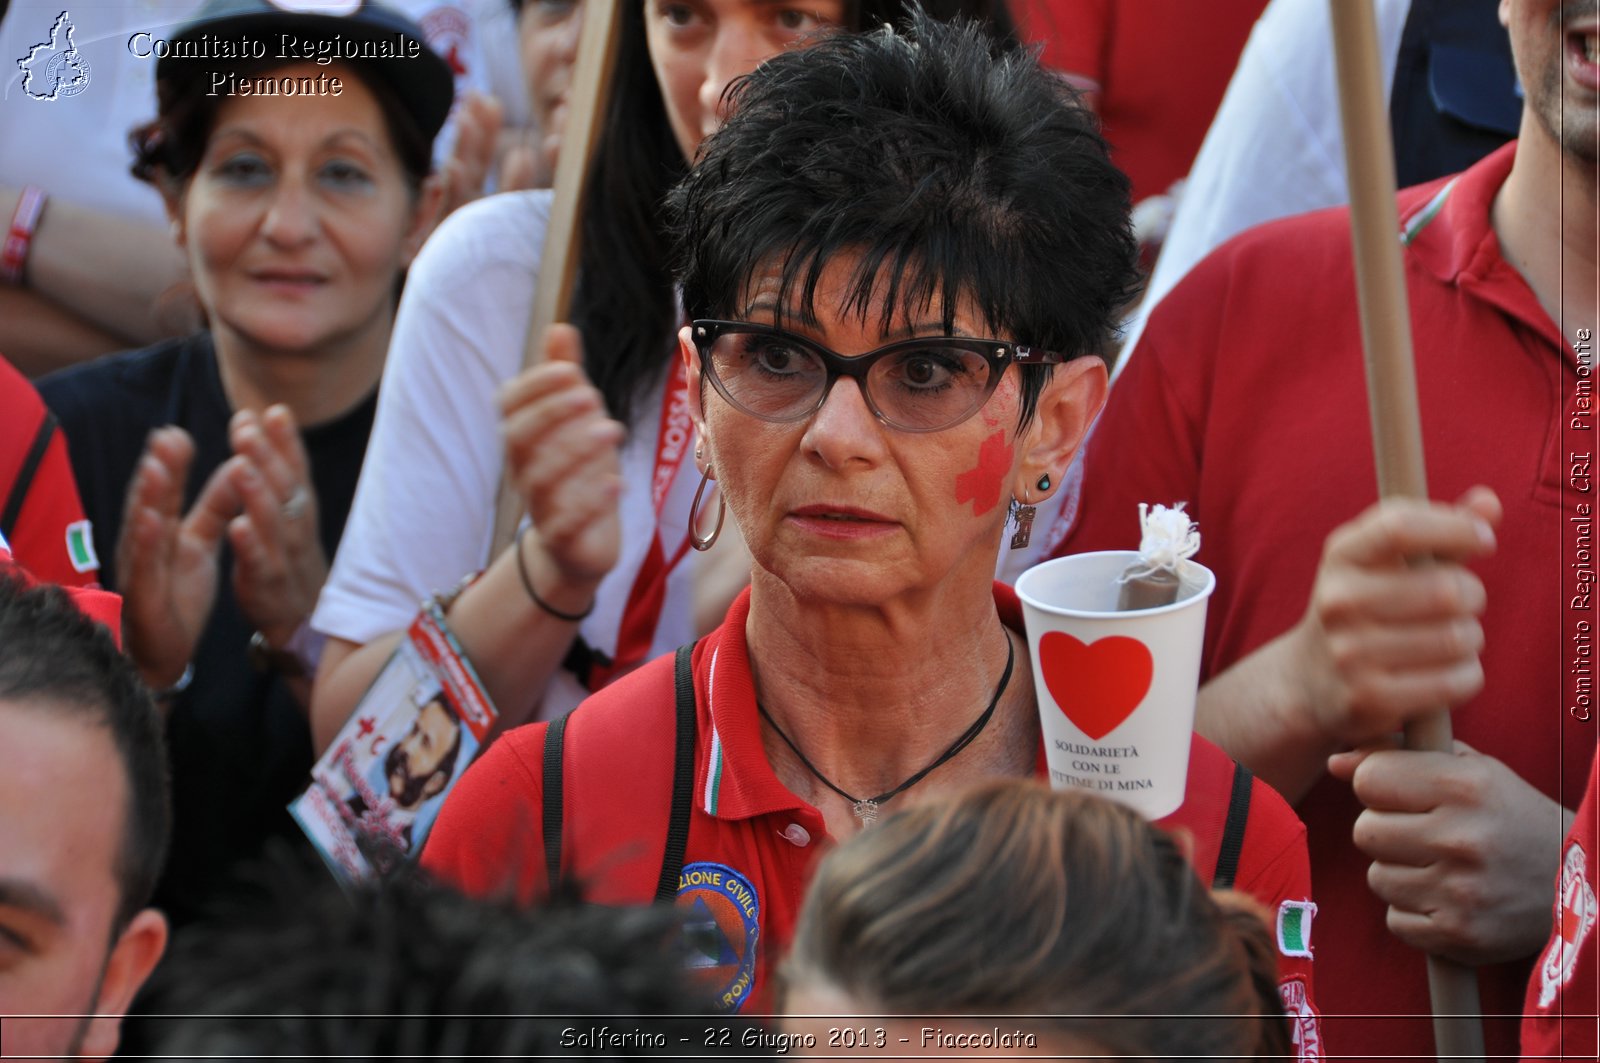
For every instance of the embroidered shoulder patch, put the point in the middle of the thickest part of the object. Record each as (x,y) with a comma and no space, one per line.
(1575,918)
(721,928)
(1294,928)
(80,547)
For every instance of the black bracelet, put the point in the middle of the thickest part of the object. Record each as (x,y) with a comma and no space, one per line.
(527,585)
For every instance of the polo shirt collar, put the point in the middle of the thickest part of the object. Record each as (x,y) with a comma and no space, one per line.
(1447,229)
(733,779)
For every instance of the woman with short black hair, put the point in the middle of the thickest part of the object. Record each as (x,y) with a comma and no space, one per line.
(902,257)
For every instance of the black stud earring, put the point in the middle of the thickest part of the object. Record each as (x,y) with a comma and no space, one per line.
(1044,482)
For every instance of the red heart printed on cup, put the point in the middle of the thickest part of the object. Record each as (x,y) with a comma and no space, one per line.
(1096,685)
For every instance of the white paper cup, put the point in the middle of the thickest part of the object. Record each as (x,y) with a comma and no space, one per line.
(1116,690)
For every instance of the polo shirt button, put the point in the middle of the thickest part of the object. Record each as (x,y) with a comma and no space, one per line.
(796,834)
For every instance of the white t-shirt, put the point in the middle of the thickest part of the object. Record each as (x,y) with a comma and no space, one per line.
(75,145)
(424,507)
(451,28)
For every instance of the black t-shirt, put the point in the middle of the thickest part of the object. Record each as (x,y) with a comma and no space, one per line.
(239,742)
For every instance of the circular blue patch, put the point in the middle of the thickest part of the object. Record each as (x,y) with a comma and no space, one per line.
(722,924)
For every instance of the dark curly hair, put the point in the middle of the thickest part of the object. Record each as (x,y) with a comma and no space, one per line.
(405,967)
(952,166)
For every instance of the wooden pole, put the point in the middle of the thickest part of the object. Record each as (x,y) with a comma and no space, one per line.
(558,266)
(1392,397)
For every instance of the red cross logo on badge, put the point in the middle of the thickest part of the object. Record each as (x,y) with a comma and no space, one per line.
(1574,922)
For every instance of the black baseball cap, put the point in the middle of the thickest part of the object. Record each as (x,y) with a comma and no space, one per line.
(379,37)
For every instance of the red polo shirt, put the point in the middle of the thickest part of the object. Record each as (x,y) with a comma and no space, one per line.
(752,844)
(49,534)
(1247,399)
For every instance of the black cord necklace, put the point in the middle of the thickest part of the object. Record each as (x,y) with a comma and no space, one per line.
(866,808)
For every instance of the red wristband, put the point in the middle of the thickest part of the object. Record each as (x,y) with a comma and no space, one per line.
(24,221)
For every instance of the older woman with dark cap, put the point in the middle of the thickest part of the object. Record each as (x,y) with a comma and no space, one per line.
(218,469)
(900,256)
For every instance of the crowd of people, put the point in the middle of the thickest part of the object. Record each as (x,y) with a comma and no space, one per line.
(856,337)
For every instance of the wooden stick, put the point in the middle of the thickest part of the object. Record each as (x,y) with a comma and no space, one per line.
(558,265)
(1392,397)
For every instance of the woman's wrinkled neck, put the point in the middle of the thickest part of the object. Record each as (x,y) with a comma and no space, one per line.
(872,694)
(863,654)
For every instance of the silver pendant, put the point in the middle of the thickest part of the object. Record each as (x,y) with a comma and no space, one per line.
(866,811)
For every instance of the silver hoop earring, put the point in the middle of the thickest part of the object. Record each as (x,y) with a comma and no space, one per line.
(707,542)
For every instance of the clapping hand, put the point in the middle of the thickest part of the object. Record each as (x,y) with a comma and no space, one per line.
(279,566)
(472,154)
(261,500)
(563,453)
(166,559)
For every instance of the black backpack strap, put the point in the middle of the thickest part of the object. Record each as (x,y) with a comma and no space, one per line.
(682,776)
(552,802)
(30,465)
(1233,829)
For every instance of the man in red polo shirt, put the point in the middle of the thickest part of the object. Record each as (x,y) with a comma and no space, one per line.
(1247,400)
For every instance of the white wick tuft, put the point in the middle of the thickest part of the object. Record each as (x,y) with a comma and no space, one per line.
(1169,536)
(1168,539)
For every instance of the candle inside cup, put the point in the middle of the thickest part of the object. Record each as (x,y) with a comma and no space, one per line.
(1116,688)
(1163,572)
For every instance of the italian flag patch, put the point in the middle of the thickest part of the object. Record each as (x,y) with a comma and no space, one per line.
(1294,927)
(80,547)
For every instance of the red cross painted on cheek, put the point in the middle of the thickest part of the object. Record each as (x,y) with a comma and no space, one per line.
(980,485)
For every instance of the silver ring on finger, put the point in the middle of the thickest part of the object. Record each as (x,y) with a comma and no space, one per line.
(294,507)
